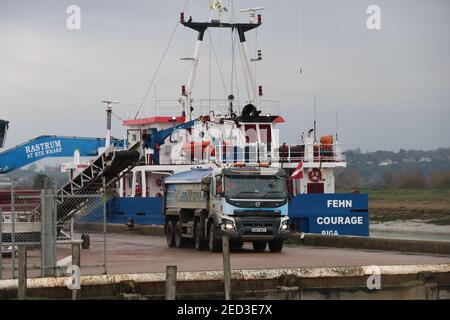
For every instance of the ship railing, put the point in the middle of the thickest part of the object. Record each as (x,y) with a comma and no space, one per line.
(262,153)
(220,107)
(201,107)
(154,108)
(310,153)
(250,153)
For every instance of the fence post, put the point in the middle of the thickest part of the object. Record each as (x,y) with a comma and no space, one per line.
(76,261)
(13,230)
(226,266)
(171,282)
(1,244)
(22,287)
(104,225)
(54,228)
(47,236)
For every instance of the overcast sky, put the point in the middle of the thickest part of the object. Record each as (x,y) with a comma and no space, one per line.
(391,87)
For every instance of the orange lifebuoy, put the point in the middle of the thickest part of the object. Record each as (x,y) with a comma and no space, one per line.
(315,175)
(193,146)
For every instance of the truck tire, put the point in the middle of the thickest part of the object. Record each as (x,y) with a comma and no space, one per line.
(259,245)
(170,234)
(199,239)
(214,244)
(276,246)
(179,241)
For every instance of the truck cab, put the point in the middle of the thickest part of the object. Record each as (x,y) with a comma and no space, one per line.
(252,205)
(246,203)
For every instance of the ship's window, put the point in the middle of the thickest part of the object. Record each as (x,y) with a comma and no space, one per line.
(316,188)
(138,191)
(134,135)
(129,185)
(265,133)
(250,133)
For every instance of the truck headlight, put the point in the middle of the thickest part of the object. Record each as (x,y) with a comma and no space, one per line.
(285,225)
(229,225)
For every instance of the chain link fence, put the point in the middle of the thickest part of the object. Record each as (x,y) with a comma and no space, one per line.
(47,224)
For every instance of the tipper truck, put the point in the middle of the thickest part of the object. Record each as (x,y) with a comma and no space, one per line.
(248,204)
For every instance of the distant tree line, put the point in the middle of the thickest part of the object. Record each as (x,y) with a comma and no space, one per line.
(352,179)
(406,169)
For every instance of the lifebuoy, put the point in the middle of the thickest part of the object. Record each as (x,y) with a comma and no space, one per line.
(158,183)
(315,175)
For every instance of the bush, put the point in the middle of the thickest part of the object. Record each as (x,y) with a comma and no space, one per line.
(348,179)
(440,180)
(405,180)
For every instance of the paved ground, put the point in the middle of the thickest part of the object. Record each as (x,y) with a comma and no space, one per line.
(135,254)
(139,254)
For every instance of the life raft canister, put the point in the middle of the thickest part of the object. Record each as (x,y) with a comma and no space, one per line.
(315,175)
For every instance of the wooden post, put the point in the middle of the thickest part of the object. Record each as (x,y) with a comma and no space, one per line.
(171,282)
(76,261)
(226,266)
(1,244)
(22,288)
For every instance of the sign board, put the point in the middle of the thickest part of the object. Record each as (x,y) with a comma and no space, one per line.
(331,214)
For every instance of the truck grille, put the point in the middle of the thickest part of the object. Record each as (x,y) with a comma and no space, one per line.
(257,213)
(257,225)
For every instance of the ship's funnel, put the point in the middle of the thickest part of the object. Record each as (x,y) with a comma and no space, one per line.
(3,131)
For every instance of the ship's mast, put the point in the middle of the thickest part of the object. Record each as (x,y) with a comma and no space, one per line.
(201,28)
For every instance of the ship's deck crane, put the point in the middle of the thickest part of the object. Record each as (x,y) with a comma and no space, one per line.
(153,139)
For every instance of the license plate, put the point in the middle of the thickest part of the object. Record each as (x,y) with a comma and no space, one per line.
(259,230)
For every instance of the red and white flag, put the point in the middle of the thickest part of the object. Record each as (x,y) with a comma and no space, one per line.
(298,173)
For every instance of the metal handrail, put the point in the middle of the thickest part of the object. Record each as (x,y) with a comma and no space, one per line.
(172,107)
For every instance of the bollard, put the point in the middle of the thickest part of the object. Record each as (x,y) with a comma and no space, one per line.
(22,287)
(76,261)
(226,266)
(171,282)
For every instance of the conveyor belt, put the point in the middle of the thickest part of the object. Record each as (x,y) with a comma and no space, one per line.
(103,171)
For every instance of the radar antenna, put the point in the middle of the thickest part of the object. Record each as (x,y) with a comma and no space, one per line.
(109,104)
(252,13)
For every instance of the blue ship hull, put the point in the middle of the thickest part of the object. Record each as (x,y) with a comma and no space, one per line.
(332,214)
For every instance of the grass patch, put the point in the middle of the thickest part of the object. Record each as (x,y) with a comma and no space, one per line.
(432,206)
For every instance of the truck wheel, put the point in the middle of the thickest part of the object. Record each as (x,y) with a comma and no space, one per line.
(275,246)
(178,235)
(214,244)
(259,245)
(170,234)
(198,237)
(86,241)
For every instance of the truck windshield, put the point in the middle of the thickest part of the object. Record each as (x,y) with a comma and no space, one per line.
(255,187)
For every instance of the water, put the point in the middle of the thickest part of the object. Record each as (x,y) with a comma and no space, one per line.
(410,235)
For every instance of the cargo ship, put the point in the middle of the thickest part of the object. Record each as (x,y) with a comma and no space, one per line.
(230,131)
(165,137)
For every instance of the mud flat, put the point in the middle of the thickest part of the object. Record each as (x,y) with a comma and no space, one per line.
(410,230)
